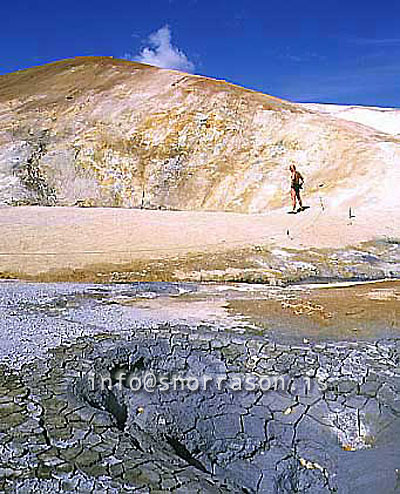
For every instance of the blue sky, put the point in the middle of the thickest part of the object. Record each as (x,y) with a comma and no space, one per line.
(331,51)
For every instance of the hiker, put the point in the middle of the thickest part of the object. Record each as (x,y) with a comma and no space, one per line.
(297,182)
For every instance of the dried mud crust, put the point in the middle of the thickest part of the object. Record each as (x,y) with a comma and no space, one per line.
(58,433)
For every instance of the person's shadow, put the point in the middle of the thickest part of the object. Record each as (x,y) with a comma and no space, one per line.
(300,210)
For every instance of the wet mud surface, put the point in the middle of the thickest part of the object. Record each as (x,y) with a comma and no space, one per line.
(333,426)
(359,311)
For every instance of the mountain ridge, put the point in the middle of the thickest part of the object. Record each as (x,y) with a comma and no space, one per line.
(98,131)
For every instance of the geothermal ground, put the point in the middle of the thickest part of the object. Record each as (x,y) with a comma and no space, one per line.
(332,426)
(144,232)
(310,300)
(111,244)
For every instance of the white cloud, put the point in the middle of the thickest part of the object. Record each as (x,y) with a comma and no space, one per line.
(162,53)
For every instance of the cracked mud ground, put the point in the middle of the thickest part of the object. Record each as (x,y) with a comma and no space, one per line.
(58,433)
